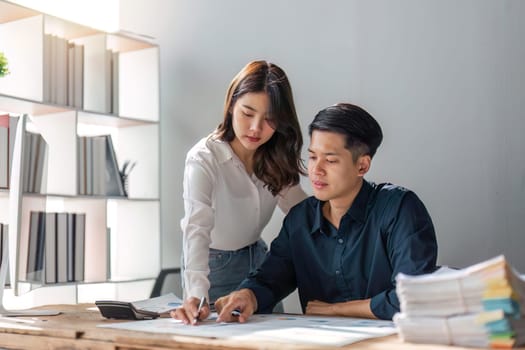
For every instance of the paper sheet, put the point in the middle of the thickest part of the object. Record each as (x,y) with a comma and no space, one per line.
(316,330)
(161,304)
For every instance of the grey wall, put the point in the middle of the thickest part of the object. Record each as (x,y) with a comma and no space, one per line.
(444,78)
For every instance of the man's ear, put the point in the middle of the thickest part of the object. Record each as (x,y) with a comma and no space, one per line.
(363,164)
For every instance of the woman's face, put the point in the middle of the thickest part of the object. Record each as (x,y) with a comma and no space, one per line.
(250,120)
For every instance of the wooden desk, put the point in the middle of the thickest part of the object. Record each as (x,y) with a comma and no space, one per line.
(76,329)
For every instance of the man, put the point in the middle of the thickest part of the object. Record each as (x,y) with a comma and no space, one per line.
(343,247)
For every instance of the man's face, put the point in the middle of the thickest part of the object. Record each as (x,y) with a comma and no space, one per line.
(333,174)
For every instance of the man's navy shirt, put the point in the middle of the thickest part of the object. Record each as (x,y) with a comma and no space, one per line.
(387,230)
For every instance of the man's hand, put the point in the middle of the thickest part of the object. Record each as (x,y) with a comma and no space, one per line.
(243,301)
(316,307)
(188,312)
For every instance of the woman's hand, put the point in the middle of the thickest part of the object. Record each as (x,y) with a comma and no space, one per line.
(188,312)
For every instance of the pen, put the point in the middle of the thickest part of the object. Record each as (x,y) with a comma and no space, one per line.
(201,304)
(236,313)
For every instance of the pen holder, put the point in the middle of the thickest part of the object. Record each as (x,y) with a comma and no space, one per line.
(125,184)
(124,175)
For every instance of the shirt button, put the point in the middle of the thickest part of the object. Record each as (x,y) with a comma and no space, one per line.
(340,240)
(337,272)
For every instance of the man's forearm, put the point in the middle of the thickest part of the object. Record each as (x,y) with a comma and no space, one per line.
(353,308)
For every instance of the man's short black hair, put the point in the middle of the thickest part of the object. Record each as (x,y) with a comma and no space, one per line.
(362,132)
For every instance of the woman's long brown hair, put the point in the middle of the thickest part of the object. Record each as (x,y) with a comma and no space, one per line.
(277,162)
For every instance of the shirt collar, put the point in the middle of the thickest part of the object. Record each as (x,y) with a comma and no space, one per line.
(222,149)
(357,211)
(224,153)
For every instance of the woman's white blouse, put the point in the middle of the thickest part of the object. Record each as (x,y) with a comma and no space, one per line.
(225,208)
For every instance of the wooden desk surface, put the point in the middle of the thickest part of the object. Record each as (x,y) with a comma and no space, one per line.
(76,328)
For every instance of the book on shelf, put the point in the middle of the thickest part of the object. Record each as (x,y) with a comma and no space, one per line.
(96,73)
(26,156)
(60,73)
(79,246)
(4,151)
(99,150)
(56,247)
(70,74)
(51,248)
(76,224)
(70,251)
(35,163)
(75,68)
(35,252)
(2,240)
(8,126)
(108,253)
(4,248)
(115,83)
(98,171)
(78,79)
(39,150)
(114,185)
(61,254)
(63,65)
(13,125)
(47,67)
(84,166)
(482,305)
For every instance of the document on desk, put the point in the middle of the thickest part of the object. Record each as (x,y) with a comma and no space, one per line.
(316,330)
(160,304)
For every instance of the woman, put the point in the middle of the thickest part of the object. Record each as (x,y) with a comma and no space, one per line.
(233,180)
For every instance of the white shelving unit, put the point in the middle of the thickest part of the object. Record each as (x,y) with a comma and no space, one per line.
(122,238)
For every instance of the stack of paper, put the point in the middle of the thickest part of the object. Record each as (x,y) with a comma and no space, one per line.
(460,330)
(480,306)
(505,330)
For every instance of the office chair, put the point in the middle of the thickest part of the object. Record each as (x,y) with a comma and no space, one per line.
(168,280)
